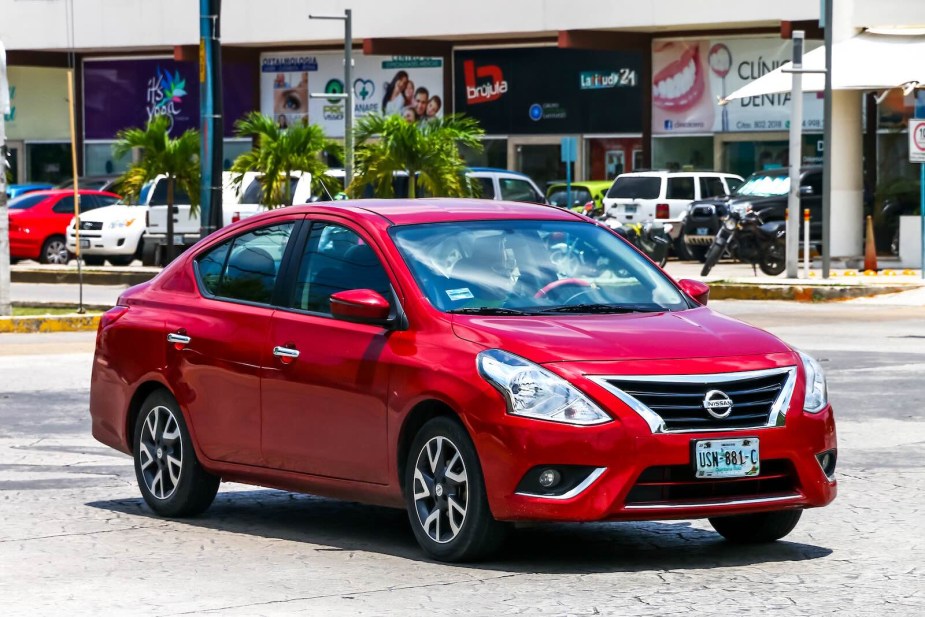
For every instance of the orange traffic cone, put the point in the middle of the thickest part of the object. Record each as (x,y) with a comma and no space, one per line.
(870,249)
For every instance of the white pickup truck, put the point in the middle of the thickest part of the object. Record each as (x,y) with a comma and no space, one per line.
(236,205)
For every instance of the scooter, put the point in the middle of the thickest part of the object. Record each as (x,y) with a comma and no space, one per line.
(649,237)
(744,236)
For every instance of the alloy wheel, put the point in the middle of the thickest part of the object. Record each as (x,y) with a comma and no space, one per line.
(441,489)
(56,252)
(161,452)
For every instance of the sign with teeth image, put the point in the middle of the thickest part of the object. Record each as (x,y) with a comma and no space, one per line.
(690,76)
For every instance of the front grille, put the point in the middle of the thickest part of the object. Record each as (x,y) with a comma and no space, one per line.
(678,402)
(91,225)
(676,484)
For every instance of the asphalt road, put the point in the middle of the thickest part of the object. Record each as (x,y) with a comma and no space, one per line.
(77,538)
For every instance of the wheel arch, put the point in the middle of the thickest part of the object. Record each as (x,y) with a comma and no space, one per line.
(142,392)
(419,415)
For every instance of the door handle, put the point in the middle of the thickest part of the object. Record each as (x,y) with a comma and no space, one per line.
(179,340)
(285,354)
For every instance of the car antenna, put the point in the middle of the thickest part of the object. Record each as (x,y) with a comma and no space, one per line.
(326,189)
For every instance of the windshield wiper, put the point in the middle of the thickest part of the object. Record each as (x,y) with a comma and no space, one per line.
(604,308)
(487,310)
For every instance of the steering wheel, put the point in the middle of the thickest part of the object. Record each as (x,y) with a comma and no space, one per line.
(561,286)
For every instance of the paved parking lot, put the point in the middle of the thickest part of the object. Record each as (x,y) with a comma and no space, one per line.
(77,538)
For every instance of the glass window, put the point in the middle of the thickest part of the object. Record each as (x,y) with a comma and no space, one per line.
(26,201)
(814,182)
(49,162)
(245,268)
(253,194)
(681,188)
(513,189)
(635,187)
(733,184)
(488,188)
(683,153)
(99,159)
(159,198)
(711,186)
(65,205)
(537,267)
(336,259)
(760,185)
(559,196)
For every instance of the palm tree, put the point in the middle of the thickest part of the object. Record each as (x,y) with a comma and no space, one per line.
(428,152)
(278,152)
(176,158)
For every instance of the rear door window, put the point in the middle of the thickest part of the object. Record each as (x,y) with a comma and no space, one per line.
(159,196)
(488,188)
(711,186)
(513,189)
(681,188)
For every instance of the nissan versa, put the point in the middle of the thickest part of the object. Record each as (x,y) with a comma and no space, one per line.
(477,363)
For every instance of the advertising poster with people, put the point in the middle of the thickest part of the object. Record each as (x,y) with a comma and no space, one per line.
(690,76)
(411,87)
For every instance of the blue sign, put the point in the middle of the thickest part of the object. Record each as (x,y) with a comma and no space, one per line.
(536,112)
(569,149)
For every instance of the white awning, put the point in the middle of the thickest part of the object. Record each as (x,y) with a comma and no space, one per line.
(867,61)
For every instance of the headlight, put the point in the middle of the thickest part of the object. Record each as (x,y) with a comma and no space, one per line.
(741,208)
(534,392)
(730,223)
(816,394)
(118,224)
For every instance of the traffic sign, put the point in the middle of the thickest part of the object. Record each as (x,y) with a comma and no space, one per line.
(569,149)
(917,140)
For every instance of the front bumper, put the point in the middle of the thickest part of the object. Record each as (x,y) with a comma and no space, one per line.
(648,476)
(121,242)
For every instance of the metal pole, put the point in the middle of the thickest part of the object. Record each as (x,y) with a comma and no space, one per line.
(827,145)
(806,243)
(348,88)
(796,132)
(922,214)
(210,109)
(70,106)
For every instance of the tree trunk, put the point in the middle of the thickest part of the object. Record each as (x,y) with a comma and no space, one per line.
(171,247)
(412,190)
(288,184)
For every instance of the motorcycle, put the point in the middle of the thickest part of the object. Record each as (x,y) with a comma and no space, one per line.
(744,236)
(649,237)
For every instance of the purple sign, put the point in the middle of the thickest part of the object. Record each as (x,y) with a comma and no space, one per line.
(121,94)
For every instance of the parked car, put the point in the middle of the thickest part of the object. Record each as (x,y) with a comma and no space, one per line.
(15,190)
(506,185)
(382,351)
(583,193)
(765,192)
(94,183)
(39,220)
(235,206)
(664,195)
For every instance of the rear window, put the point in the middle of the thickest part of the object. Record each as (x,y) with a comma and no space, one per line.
(26,201)
(559,197)
(635,187)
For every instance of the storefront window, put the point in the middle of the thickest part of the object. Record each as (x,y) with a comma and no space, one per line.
(99,159)
(683,153)
(494,154)
(607,158)
(48,162)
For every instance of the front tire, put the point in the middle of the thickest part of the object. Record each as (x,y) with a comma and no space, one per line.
(712,257)
(445,495)
(121,260)
(756,528)
(172,481)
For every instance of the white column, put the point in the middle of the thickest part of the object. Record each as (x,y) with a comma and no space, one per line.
(847,223)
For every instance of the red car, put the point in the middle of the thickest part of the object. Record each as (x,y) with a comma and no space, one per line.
(39,220)
(476,363)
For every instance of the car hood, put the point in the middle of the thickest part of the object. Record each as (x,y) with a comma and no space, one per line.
(114,213)
(695,333)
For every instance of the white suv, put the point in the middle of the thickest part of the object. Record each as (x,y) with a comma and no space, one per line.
(664,196)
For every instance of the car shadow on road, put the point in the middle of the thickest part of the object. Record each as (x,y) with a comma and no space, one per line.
(535,548)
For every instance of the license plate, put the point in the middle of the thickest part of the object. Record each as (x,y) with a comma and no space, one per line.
(703,231)
(629,209)
(726,458)
(84,244)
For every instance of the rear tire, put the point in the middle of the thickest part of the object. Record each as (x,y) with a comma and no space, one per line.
(681,250)
(172,481)
(445,495)
(756,528)
(773,261)
(149,254)
(54,251)
(121,260)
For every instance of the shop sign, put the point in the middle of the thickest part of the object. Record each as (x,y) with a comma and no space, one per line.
(549,90)
(917,141)
(121,94)
(407,85)
(689,77)
(38,104)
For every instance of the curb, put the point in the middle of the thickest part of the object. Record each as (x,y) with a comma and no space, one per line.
(800,293)
(90,277)
(49,323)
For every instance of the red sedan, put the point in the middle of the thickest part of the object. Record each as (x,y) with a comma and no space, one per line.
(39,220)
(473,363)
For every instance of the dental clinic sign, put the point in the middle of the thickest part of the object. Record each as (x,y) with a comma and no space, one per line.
(690,76)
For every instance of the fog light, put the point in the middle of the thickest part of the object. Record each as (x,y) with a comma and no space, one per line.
(827,461)
(549,478)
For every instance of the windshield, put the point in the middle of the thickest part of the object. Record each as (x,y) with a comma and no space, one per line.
(511,267)
(26,201)
(142,196)
(765,186)
(635,187)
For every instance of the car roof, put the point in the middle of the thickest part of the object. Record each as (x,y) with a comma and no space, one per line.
(61,192)
(586,183)
(436,210)
(660,173)
(496,170)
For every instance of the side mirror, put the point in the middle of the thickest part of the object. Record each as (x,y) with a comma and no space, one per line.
(806,189)
(360,306)
(697,290)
